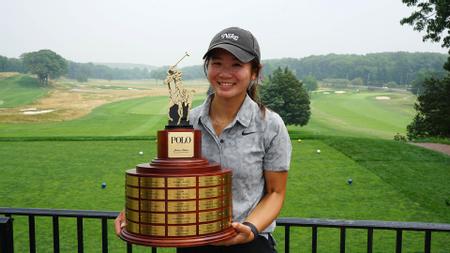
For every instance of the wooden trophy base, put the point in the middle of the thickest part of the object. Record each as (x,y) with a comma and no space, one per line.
(192,241)
(178,199)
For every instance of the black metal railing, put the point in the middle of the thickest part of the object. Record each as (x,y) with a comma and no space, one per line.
(56,214)
(6,235)
(7,244)
(370,226)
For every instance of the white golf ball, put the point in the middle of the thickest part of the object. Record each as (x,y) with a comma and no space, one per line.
(318,151)
(141,153)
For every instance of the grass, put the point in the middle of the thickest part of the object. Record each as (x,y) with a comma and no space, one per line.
(20,90)
(359,114)
(62,165)
(68,175)
(392,181)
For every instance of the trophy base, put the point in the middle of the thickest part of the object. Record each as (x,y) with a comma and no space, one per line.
(179,242)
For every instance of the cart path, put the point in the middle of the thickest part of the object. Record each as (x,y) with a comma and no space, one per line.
(443,148)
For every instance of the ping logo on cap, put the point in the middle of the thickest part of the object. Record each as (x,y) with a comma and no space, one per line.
(229,36)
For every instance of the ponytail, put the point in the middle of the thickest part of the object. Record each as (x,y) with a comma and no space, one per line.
(253,88)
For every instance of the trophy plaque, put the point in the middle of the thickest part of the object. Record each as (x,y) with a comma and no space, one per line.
(179,199)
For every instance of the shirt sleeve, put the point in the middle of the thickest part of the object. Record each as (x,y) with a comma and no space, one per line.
(277,145)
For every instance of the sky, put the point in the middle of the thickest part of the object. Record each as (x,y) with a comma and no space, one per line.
(160,32)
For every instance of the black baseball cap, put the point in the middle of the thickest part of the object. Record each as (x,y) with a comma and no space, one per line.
(239,42)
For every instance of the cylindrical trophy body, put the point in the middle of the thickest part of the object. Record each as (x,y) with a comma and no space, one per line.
(179,199)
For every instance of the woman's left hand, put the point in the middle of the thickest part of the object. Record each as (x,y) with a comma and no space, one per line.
(244,235)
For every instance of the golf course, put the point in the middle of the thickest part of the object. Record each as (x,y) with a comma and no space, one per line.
(59,144)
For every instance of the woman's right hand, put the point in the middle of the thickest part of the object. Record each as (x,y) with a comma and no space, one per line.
(120,222)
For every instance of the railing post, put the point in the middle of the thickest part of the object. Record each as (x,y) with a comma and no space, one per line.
(399,241)
(287,238)
(104,235)
(6,235)
(427,241)
(369,240)
(80,234)
(32,233)
(342,243)
(55,221)
(314,240)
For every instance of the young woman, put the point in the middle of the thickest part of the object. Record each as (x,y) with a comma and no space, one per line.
(239,133)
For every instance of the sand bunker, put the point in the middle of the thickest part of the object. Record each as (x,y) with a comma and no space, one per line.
(86,91)
(35,112)
(340,92)
(28,109)
(382,98)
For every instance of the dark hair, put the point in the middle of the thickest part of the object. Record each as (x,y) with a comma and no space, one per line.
(253,91)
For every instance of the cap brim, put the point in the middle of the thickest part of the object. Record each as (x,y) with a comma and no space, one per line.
(240,54)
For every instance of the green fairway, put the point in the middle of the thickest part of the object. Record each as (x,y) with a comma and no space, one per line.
(359,114)
(20,90)
(135,117)
(391,181)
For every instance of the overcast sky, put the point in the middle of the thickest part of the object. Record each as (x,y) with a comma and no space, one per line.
(159,32)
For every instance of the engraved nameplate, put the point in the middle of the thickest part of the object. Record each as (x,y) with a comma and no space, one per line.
(178,182)
(178,194)
(182,230)
(180,144)
(152,194)
(210,180)
(210,227)
(204,204)
(181,206)
(153,230)
(210,192)
(133,181)
(152,182)
(181,218)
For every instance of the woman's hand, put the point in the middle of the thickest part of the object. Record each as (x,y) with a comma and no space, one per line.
(120,222)
(244,235)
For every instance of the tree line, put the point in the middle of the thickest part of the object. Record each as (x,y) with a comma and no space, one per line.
(374,69)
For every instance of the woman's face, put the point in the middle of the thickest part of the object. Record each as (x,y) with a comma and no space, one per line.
(228,76)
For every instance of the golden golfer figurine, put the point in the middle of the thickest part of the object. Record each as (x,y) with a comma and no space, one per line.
(180,98)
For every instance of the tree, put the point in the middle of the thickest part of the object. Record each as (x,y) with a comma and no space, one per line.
(284,93)
(310,83)
(45,64)
(434,16)
(357,81)
(160,73)
(433,106)
(433,110)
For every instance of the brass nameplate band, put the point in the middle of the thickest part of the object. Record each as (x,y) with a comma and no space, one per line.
(177,182)
(178,206)
(177,230)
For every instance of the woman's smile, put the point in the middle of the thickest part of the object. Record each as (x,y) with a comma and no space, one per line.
(228,76)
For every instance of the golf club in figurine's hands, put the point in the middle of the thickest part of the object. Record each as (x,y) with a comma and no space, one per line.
(179,199)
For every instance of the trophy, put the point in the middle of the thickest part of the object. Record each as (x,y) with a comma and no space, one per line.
(178,199)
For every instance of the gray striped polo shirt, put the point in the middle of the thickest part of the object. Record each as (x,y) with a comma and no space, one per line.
(249,145)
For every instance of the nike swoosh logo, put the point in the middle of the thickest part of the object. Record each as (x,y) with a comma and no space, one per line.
(244,133)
